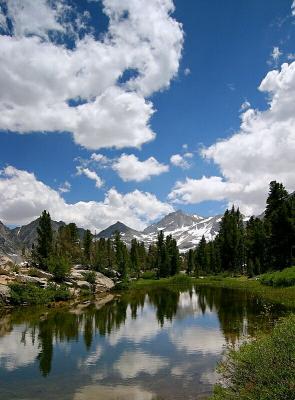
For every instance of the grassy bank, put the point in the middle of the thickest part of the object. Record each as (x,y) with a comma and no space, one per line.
(285,296)
(262,369)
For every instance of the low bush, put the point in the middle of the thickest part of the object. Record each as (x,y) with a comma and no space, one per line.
(59,267)
(148,275)
(180,279)
(3,271)
(90,277)
(283,278)
(35,273)
(33,294)
(263,369)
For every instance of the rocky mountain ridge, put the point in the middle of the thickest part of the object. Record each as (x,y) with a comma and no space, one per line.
(186,229)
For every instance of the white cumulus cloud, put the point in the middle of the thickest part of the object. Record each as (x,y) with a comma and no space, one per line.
(261,151)
(47,86)
(179,160)
(91,175)
(23,197)
(130,168)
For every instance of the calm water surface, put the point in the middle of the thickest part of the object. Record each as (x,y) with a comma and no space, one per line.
(152,344)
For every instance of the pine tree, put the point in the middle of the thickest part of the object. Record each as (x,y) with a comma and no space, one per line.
(201,258)
(134,257)
(255,242)
(87,245)
(279,219)
(231,240)
(44,246)
(190,262)
(122,256)
(173,256)
(162,262)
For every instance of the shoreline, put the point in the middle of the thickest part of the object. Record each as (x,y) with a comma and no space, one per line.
(284,295)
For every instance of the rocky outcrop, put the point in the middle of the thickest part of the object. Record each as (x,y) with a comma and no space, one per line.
(20,278)
(100,285)
(77,280)
(4,294)
(103,283)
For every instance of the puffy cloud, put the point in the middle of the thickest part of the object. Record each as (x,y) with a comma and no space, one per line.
(180,161)
(245,106)
(82,89)
(91,175)
(187,71)
(275,56)
(99,158)
(197,339)
(65,187)
(131,364)
(23,198)
(261,151)
(27,19)
(293,8)
(130,168)
(14,352)
(144,328)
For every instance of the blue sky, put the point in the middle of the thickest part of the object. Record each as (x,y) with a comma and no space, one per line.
(209,67)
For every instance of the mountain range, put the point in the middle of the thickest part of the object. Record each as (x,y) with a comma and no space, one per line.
(186,229)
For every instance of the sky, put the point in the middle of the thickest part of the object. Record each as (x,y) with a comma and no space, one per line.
(130,109)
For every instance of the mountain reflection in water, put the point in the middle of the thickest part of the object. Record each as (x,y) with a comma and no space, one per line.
(159,343)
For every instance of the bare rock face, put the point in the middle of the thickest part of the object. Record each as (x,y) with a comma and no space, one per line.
(83,285)
(103,283)
(4,294)
(31,279)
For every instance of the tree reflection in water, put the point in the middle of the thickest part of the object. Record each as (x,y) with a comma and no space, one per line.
(238,312)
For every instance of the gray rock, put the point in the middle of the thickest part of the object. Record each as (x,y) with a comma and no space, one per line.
(103,283)
(83,284)
(31,279)
(5,294)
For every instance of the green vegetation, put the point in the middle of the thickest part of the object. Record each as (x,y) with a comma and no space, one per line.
(263,369)
(284,296)
(35,272)
(59,267)
(148,275)
(283,278)
(90,277)
(259,246)
(263,244)
(32,294)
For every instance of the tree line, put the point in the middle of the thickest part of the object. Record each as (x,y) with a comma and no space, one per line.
(261,244)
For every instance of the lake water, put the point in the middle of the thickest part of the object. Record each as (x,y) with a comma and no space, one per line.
(150,344)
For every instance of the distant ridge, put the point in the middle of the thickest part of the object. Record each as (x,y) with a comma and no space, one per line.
(186,229)
(117,227)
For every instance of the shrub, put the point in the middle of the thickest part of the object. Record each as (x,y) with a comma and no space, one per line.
(283,278)
(3,271)
(148,275)
(35,272)
(59,267)
(33,294)
(180,279)
(90,277)
(15,268)
(263,369)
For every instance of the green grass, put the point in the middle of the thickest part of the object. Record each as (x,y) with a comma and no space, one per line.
(179,279)
(284,296)
(31,294)
(283,278)
(262,369)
